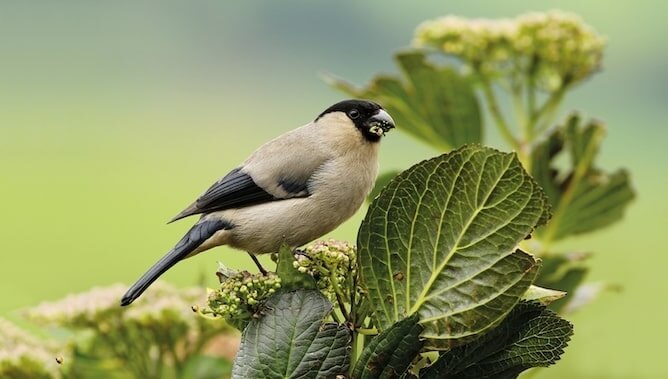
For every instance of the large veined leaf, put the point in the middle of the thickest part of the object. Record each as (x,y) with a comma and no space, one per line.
(531,336)
(390,353)
(381,182)
(290,340)
(583,197)
(441,239)
(435,104)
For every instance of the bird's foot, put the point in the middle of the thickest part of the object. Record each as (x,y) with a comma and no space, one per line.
(258,264)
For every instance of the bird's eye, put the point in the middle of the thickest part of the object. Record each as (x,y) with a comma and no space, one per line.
(353,114)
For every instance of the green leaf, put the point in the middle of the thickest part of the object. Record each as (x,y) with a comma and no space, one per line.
(531,336)
(440,241)
(390,353)
(290,340)
(583,197)
(565,272)
(542,295)
(381,182)
(291,278)
(435,104)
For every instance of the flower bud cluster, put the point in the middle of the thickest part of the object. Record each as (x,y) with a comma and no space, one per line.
(482,43)
(25,356)
(555,47)
(328,261)
(164,306)
(162,316)
(80,310)
(240,296)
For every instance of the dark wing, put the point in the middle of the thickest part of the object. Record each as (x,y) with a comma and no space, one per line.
(238,189)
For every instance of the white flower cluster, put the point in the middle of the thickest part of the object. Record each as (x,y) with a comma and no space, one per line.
(163,314)
(556,48)
(25,356)
(99,308)
(165,305)
(82,309)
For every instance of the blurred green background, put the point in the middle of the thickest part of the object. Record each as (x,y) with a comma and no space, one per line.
(113,117)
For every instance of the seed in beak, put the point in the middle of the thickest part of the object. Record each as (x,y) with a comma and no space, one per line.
(377,130)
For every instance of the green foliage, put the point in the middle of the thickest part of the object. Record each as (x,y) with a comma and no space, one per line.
(584,198)
(564,271)
(381,182)
(288,273)
(440,241)
(533,60)
(434,104)
(390,354)
(531,336)
(290,340)
(441,286)
(439,269)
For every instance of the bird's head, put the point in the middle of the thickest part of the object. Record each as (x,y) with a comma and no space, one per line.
(369,118)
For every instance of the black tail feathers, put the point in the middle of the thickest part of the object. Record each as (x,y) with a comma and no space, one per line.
(199,233)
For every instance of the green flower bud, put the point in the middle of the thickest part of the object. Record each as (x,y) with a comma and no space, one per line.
(240,296)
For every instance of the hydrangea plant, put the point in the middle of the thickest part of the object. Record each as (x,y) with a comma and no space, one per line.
(443,281)
(435,272)
(520,70)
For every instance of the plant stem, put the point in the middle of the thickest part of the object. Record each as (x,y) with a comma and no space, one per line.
(531,98)
(353,353)
(495,111)
(339,295)
(531,104)
(520,112)
(541,118)
(361,311)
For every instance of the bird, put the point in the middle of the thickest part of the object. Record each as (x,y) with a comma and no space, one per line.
(290,191)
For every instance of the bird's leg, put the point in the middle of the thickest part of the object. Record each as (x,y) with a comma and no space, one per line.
(257,263)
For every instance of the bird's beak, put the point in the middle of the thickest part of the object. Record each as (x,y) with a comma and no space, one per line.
(380,123)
